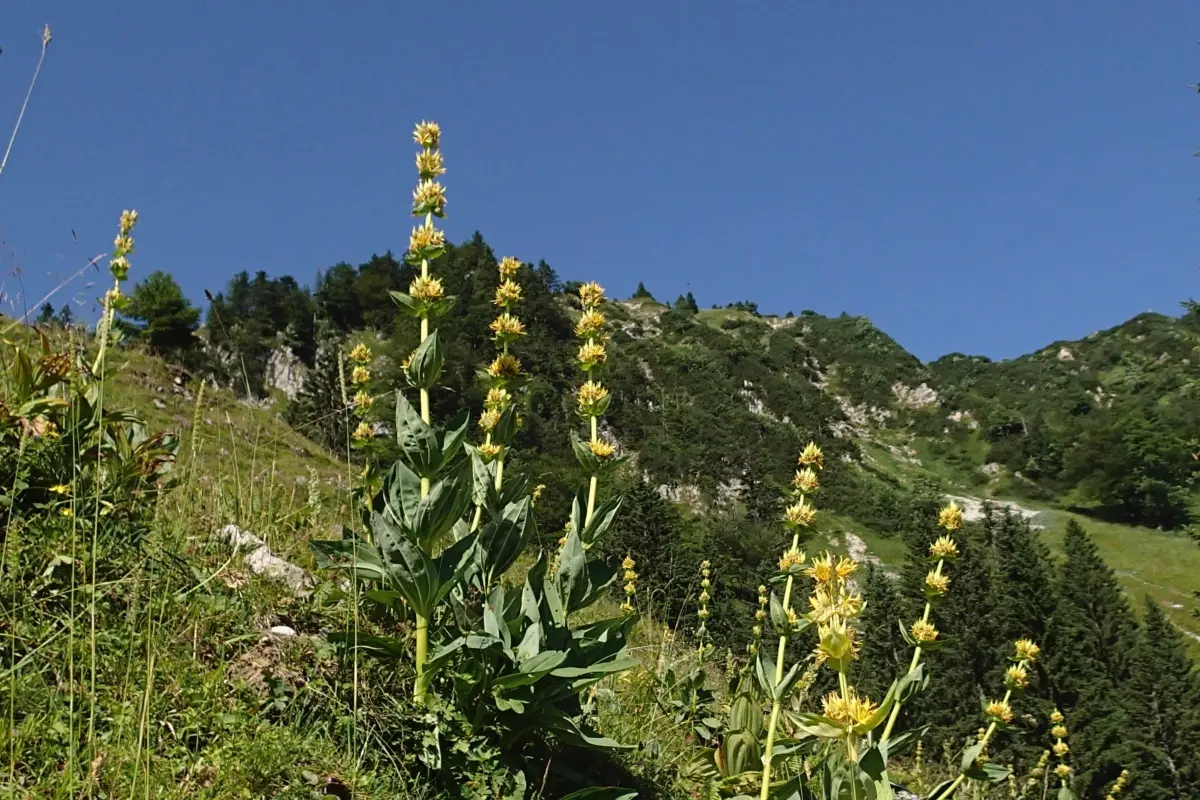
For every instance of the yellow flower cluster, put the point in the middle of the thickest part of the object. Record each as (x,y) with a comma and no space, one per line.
(630,578)
(848,707)
(1060,748)
(1119,786)
(123,246)
(704,646)
(360,375)
(760,615)
(592,397)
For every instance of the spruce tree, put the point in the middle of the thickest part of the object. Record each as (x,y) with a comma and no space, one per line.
(642,293)
(1165,679)
(1089,651)
(319,410)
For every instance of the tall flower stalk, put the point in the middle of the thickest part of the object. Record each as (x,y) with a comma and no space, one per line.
(704,645)
(922,632)
(426,300)
(797,517)
(593,398)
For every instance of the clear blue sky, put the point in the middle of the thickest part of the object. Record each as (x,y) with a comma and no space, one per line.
(984,177)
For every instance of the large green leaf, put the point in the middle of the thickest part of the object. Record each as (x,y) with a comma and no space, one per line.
(402,493)
(568,731)
(504,538)
(447,501)
(351,554)
(531,670)
(418,441)
(425,366)
(601,793)
(602,519)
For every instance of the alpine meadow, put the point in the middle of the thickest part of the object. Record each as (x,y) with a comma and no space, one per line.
(444,524)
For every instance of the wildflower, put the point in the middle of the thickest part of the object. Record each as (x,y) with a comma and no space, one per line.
(1059,731)
(1027,650)
(822,569)
(122,245)
(363,400)
(845,567)
(1056,716)
(119,267)
(507,293)
(429,197)
(497,398)
(760,614)
(506,326)
(1016,677)
(537,494)
(360,354)
(407,360)
(756,631)
(1060,748)
(489,419)
(923,631)
(805,481)
(129,218)
(362,432)
(950,517)
(999,711)
(427,134)
(590,324)
(812,456)
(702,613)
(801,513)
(509,267)
(601,449)
(793,618)
(425,238)
(944,547)
(792,558)
(849,709)
(489,450)
(937,583)
(591,355)
(504,366)
(55,365)
(359,375)
(430,164)
(592,398)
(427,289)
(1062,771)
(60,488)
(590,294)
(836,638)
(67,512)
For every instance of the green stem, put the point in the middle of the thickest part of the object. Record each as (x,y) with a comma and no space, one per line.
(422,632)
(916,659)
(949,791)
(776,705)
(593,483)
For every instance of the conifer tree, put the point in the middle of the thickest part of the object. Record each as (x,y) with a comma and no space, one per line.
(319,410)
(1166,681)
(885,654)
(642,293)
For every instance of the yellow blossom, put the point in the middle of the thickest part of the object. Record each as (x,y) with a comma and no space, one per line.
(489,450)
(1062,771)
(812,456)
(590,294)
(363,400)
(67,512)
(504,366)
(1027,650)
(119,267)
(537,494)
(429,196)
(489,419)
(601,448)
(363,432)
(628,563)
(129,218)
(591,355)
(60,488)
(822,569)
(590,324)
(497,397)
(1060,749)
(937,582)
(1056,716)
(360,374)
(427,134)
(591,398)
(427,289)
(426,237)
(430,164)
(507,326)
(849,709)
(507,293)
(846,567)
(1059,731)
(509,267)
(1016,676)
(801,513)
(950,517)
(944,547)
(923,631)
(805,481)
(999,711)
(792,558)
(360,354)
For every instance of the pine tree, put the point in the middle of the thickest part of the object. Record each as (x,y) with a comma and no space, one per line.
(642,293)
(45,314)
(319,410)
(1089,650)
(1165,678)
(168,320)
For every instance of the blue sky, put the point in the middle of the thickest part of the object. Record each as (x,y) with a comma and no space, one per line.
(981,177)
